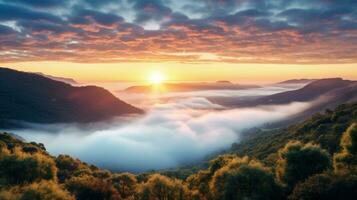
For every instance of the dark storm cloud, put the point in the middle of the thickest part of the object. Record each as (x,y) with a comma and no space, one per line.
(258,31)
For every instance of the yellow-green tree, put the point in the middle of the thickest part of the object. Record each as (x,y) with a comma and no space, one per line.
(346,160)
(126,184)
(91,188)
(243,178)
(159,187)
(298,161)
(17,167)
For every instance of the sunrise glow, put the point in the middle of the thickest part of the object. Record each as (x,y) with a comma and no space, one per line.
(156,78)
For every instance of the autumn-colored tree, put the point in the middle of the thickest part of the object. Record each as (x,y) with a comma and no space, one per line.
(18,167)
(69,167)
(346,160)
(126,184)
(159,187)
(297,162)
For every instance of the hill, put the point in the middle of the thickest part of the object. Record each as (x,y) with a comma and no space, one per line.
(61,79)
(182,87)
(331,88)
(324,129)
(297,81)
(34,98)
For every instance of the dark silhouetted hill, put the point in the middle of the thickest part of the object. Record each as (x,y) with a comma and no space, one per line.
(56,78)
(34,98)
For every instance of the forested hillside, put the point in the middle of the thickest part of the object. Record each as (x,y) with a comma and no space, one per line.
(325,129)
(316,159)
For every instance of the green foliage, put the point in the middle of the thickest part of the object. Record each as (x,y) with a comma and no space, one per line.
(18,167)
(287,168)
(199,182)
(160,187)
(243,178)
(327,187)
(346,160)
(44,190)
(298,161)
(91,188)
(324,129)
(69,167)
(126,184)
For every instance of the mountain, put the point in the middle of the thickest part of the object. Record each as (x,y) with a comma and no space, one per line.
(34,98)
(297,81)
(56,78)
(182,87)
(332,87)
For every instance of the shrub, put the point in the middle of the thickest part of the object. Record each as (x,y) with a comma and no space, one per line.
(244,179)
(346,160)
(297,162)
(126,184)
(91,188)
(19,168)
(160,187)
(326,186)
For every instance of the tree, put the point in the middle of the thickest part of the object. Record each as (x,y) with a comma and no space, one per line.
(19,167)
(243,178)
(346,160)
(91,188)
(326,186)
(69,167)
(44,190)
(297,162)
(199,182)
(159,187)
(126,184)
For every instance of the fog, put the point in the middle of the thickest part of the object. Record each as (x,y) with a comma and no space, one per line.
(173,132)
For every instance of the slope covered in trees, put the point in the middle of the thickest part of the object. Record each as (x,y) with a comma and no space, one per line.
(304,169)
(325,129)
(31,97)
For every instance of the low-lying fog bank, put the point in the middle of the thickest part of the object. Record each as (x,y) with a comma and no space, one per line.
(171,133)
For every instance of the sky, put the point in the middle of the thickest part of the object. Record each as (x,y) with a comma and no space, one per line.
(240,40)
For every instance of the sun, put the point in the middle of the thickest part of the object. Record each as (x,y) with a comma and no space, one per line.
(157,78)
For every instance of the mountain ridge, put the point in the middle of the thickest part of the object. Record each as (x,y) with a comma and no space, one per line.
(34,98)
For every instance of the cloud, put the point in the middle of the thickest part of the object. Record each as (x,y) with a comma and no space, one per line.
(39,3)
(253,31)
(170,134)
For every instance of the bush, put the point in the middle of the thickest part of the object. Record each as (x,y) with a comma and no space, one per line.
(161,187)
(69,167)
(126,184)
(44,190)
(326,186)
(346,160)
(19,168)
(297,162)
(91,188)
(244,179)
